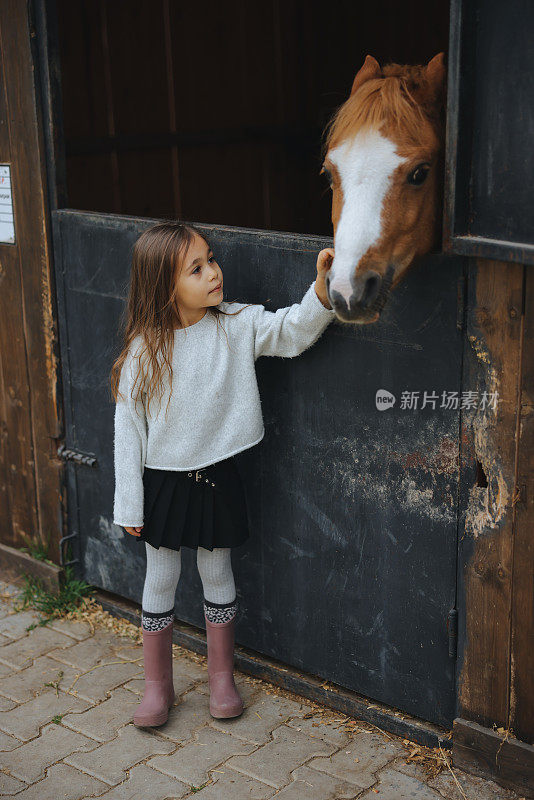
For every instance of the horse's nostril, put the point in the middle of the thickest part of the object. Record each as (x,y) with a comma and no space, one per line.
(371,290)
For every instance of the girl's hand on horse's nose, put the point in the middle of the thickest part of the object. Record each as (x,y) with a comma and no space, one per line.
(324,261)
(134,531)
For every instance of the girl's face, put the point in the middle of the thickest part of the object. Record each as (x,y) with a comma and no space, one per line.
(198,282)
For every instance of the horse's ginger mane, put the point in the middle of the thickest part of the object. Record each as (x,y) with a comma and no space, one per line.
(402,97)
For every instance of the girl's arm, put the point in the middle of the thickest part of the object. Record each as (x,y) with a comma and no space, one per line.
(130,441)
(289,331)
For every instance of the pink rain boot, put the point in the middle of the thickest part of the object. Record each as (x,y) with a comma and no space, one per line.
(159,689)
(225,700)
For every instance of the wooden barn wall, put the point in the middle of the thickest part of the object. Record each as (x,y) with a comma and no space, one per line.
(496,550)
(213,112)
(496,547)
(30,471)
(486,164)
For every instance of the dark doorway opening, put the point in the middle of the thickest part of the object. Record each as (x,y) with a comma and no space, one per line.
(214,112)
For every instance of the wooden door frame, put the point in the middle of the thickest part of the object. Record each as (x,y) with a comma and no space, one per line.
(30,371)
(493,734)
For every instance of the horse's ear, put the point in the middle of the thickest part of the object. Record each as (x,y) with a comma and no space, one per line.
(435,74)
(370,69)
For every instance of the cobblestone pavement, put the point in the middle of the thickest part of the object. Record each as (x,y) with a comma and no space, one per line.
(67,697)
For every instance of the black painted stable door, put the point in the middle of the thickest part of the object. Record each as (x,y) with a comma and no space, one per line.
(350,570)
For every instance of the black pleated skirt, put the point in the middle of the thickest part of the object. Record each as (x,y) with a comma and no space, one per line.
(198,508)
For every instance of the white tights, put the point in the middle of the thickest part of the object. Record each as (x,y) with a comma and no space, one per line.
(163,567)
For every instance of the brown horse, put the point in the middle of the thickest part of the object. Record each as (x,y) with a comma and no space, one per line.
(383,157)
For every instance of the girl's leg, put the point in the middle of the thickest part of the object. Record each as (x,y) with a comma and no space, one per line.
(215,570)
(220,607)
(163,568)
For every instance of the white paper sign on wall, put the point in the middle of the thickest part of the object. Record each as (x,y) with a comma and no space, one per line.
(7,222)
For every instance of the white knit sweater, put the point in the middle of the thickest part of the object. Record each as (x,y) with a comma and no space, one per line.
(215,408)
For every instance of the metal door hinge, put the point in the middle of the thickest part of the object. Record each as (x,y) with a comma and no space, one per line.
(75,455)
(62,550)
(452,630)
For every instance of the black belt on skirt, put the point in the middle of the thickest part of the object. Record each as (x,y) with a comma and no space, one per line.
(198,476)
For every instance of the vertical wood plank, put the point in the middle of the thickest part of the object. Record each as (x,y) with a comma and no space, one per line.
(171,99)
(110,108)
(31,411)
(489,441)
(522,634)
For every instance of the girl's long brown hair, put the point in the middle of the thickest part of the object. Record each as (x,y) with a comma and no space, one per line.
(151,311)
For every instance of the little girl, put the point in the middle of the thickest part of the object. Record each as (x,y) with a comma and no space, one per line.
(176,480)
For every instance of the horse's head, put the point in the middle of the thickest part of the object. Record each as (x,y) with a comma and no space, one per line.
(383,160)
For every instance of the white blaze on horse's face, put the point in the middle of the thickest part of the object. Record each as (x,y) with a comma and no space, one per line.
(365,164)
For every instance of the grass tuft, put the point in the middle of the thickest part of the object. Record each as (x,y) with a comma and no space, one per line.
(50,605)
(37,550)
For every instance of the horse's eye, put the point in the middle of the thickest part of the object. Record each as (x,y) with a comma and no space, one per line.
(418,175)
(328,175)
